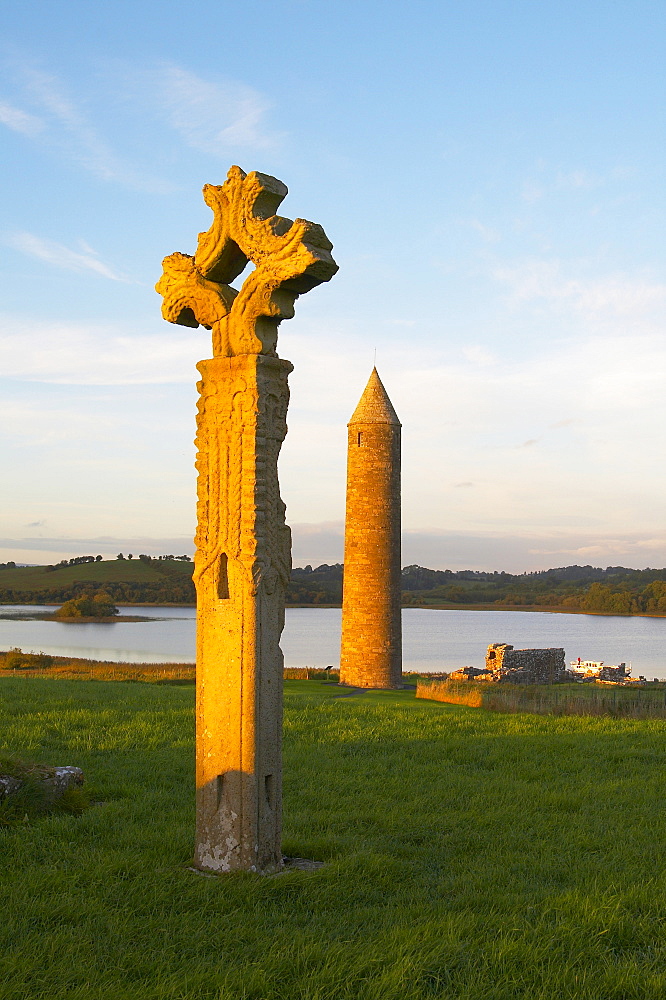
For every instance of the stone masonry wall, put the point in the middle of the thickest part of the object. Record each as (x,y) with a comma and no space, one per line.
(527,666)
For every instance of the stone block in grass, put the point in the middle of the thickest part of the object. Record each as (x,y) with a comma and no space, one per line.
(28,789)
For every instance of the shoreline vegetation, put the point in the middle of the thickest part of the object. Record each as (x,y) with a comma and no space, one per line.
(431,606)
(94,619)
(96,608)
(639,701)
(167,581)
(16,663)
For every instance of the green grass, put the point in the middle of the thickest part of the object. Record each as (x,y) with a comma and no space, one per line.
(36,578)
(470,855)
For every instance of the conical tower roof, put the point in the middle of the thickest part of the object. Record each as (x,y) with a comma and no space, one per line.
(374,406)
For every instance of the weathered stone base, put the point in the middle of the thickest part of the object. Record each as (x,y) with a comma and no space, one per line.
(288,865)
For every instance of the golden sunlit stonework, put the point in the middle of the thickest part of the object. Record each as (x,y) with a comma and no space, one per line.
(289,257)
(243,555)
(371,647)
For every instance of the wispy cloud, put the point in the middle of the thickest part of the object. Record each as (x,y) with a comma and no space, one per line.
(577,179)
(61,256)
(210,114)
(85,143)
(62,125)
(633,547)
(213,116)
(20,121)
(622,295)
(478,355)
(487,233)
(532,192)
(591,403)
(71,354)
(105,544)
(518,550)
(551,182)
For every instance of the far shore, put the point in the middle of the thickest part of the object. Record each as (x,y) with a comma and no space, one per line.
(49,616)
(444,606)
(96,620)
(118,604)
(554,610)
(546,609)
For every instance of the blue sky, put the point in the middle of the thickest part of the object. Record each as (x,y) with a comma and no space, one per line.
(492,177)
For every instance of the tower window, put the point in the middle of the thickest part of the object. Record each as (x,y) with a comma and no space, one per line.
(359,439)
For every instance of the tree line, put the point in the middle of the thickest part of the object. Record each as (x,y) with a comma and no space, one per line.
(613,590)
(600,597)
(80,560)
(90,605)
(162,592)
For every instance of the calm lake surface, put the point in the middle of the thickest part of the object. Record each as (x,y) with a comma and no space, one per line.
(432,640)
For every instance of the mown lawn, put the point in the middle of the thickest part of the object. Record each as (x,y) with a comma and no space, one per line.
(470,855)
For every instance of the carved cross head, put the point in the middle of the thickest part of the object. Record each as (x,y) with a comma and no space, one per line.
(289,258)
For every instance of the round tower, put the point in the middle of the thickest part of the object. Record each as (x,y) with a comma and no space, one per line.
(371,649)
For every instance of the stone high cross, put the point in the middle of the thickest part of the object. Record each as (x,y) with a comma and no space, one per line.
(243,555)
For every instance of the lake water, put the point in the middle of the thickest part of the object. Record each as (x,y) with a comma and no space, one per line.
(432,640)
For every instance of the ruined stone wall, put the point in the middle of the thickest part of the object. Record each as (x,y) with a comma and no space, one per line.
(618,674)
(527,666)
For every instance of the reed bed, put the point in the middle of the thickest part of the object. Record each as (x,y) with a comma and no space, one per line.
(561,699)
(76,668)
(310,674)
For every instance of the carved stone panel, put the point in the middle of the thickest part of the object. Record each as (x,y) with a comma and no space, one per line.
(242,567)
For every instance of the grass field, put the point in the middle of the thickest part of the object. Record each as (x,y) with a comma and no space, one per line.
(36,578)
(469,855)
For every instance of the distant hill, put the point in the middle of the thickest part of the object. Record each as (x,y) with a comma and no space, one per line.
(129,581)
(614,590)
(168,580)
(322,585)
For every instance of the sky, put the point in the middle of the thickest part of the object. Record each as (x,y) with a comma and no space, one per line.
(491,174)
